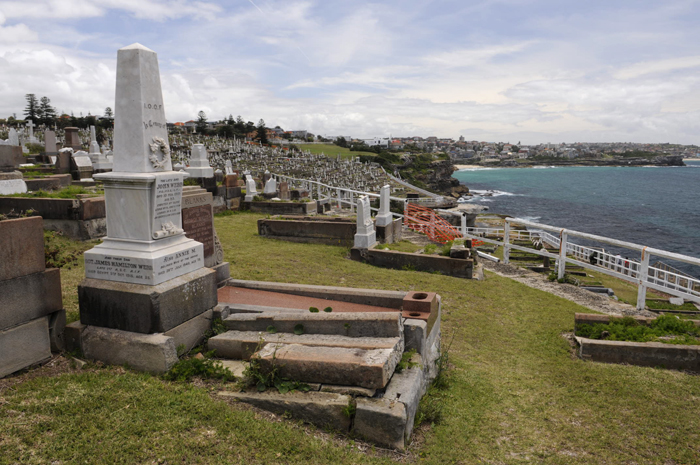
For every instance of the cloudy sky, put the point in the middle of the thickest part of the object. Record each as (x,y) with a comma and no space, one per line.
(499,70)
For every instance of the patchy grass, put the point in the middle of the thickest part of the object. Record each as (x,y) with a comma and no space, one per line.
(401,246)
(666,328)
(69,192)
(515,393)
(332,150)
(72,272)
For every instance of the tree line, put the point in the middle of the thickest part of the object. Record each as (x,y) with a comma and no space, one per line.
(40,111)
(233,128)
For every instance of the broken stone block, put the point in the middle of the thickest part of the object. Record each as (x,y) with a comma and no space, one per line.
(408,387)
(333,365)
(381,421)
(155,353)
(241,345)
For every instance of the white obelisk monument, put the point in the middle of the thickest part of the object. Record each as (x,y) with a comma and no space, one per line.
(145,243)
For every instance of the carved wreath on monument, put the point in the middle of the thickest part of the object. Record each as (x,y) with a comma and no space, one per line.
(159,145)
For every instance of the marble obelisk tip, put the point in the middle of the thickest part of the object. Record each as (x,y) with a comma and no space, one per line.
(137,46)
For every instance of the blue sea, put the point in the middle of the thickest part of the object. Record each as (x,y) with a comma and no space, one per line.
(650,206)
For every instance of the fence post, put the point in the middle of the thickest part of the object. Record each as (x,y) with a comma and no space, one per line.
(339,204)
(352,202)
(464,225)
(561,265)
(642,277)
(506,242)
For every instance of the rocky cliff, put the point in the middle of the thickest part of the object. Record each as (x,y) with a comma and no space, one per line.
(437,177)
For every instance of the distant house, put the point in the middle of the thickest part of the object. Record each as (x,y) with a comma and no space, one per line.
(381,142)
(396,144)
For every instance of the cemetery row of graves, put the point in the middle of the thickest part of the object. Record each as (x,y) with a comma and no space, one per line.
(304,304)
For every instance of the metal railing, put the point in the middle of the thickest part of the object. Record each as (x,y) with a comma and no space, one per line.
(342,197)
(597,259)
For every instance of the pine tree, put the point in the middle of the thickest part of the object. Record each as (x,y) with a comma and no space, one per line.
(47,112)
(201,122)
(262,132)
(32,107)
(108,113)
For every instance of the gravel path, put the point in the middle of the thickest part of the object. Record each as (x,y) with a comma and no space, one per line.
(598,302)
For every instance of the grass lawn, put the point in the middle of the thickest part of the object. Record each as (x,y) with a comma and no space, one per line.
(332,150)
(516,394)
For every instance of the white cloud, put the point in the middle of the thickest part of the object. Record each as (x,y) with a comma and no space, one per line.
(498,69)
(157,10)
(658,66)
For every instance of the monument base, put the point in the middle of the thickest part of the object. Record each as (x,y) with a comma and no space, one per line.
(148,262)
(197,172)
(147,309)
(365,241)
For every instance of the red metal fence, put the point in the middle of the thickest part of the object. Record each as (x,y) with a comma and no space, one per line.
(426,221)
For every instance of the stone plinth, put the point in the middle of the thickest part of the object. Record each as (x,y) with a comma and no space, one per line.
(145,242)
(12,183)
(199,163)
(147,309)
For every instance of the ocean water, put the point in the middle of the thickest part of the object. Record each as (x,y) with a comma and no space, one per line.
(650,206)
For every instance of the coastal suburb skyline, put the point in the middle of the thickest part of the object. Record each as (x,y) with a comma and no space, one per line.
(530,71)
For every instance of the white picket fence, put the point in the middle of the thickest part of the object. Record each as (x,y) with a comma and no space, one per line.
(638,272)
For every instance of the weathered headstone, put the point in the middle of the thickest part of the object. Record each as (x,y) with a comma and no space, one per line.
(50,142)
(366,236)
(63,160)
(198,223)
(250,190)
(81,166)
(11,181)
(199,163)
(384,217)
(73,139)
(284,191)
(13,137)
(270,186)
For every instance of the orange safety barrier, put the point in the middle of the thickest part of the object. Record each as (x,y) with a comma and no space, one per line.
(426,221)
